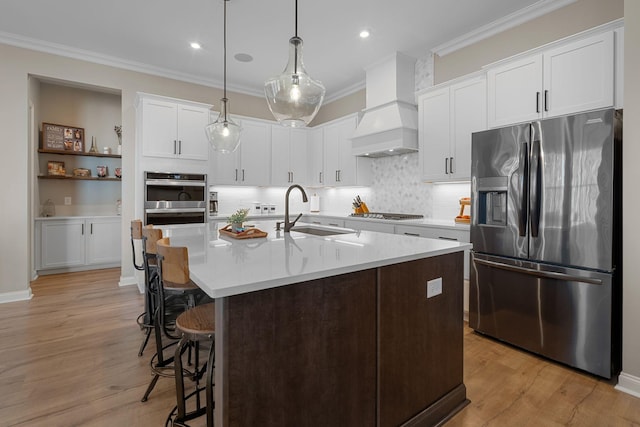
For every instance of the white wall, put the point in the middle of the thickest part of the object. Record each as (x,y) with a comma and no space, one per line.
(630,378)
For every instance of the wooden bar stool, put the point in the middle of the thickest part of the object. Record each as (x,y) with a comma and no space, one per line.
(196,324)
(175,294)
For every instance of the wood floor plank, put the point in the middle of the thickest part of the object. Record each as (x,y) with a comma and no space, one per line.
(68,357)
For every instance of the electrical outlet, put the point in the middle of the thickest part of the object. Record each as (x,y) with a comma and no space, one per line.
(434,287)
(67,200)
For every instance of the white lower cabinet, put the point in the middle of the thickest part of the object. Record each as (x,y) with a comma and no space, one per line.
(380,227)
(78,243)
(439,233)
(103,240)
(334,222)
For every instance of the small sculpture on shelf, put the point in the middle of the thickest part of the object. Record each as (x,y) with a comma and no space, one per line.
(118,131)
(94,148)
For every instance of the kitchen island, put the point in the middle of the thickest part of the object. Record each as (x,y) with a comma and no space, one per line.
(348,329)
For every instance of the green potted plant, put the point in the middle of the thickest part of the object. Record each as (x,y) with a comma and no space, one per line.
(237,219)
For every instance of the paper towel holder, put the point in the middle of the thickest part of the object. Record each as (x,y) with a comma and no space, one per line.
(314,204)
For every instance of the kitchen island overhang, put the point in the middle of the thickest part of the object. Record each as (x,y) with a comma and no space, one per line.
(333,330)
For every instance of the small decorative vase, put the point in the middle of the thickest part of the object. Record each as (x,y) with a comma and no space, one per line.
(236,227)
(119,149)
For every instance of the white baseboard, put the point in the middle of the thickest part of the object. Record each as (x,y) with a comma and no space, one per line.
(628,384)
(129,281)
(16,296)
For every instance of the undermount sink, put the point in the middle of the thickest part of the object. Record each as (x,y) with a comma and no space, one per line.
(316,231)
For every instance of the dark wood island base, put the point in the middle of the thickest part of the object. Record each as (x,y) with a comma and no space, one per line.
(366,348)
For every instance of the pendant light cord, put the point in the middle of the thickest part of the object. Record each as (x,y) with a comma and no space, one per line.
(295,60)
(224,42)
(296,18)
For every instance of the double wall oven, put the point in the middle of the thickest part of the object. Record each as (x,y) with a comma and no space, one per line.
(175,198)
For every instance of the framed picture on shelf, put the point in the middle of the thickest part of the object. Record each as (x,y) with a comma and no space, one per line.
(55,168)
(101,171)
(62,138)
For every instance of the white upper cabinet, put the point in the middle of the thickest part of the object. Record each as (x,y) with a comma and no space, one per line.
(572,77)
(288,155)
(174,129)
(447,116)
(250,163)
(341,168)
(315,157)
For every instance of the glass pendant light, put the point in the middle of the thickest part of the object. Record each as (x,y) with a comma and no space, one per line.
(224,133)
(294,97)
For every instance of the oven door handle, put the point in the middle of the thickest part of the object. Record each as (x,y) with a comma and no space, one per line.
(175,210)
(164,182)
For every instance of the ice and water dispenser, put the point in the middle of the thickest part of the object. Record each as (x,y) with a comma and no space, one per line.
(492,201)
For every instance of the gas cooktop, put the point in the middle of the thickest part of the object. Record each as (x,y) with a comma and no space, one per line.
(385,215)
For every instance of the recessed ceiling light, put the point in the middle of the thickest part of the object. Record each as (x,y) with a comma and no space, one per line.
(364,34)
(243,57)
(196,45)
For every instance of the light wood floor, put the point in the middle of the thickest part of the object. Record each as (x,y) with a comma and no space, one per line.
(68,357)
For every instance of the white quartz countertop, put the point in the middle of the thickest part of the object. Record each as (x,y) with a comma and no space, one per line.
(425,222)
(223,266)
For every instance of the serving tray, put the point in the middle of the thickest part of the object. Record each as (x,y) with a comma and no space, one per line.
(249,233)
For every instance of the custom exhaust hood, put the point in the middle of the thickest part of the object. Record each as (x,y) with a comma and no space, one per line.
(389,123)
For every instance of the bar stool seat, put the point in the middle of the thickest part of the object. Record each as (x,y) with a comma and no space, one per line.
(196,324)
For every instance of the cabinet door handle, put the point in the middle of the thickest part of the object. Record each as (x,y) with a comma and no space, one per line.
(546,100)
(320,178)
(446,165)
(451,164)
(179,146)
(537,102)
(175,145)
(82,229)
(242,175)
(334,224)
(411,234)
(447,238)
(91,229)
(339,175)
(236,174)
(292,177)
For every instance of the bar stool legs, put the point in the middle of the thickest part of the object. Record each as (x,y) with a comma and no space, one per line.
(180,415)
(197,325)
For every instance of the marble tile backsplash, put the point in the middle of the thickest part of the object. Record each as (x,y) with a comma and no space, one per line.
(397,187)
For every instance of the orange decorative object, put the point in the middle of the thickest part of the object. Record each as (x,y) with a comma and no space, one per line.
(462,218)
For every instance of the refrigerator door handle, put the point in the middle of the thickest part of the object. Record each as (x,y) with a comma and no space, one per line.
(524,189)
(535,182)
(539,273)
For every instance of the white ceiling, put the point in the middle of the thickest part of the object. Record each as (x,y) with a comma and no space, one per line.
(154,35)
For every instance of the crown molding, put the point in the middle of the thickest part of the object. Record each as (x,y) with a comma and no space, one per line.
(512,20)
(112,61)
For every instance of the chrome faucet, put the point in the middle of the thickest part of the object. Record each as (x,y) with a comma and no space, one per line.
(288,225)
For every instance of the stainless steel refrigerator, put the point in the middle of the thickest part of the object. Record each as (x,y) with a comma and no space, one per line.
(546,233)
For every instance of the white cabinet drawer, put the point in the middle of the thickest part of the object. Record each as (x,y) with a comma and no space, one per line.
(369,226)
